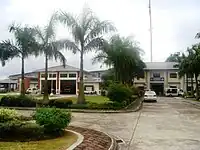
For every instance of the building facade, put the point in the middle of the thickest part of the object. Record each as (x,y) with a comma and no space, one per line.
(160,75)
(157,76)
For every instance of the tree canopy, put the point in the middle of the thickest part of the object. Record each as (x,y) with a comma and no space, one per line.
(123,55)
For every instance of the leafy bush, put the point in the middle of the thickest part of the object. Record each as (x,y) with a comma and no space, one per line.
(30,130)
(53,119)
(7,115)
(119,93)
(103,93)
(135,90)
(60,103)
(106,106)
(24,131)
(79,106)
(26,101)
(17,101)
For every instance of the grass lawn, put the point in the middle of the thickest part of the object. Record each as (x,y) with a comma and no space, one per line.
(93,99)
(54,144)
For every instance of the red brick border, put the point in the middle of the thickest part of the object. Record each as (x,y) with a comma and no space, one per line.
(93,140)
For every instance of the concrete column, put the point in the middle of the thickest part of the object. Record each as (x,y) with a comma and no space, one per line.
(148,79)
(58,83)
(39,80)
(166,79)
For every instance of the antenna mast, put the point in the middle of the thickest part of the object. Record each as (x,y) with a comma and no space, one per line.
(150,21)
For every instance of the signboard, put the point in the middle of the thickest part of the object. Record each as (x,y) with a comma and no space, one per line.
(157,79)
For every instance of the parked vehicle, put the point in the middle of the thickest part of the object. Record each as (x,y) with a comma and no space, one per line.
(32,91)
(180,92)
(150,96)
(171,92)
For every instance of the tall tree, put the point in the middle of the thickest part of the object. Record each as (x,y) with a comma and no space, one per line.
(87,31)
(5,54)
(173,57)
(124,56)
(50,47)
(23,46)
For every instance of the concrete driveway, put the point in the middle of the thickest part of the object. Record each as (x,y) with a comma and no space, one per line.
(169,124)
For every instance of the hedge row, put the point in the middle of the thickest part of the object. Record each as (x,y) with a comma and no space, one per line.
(25,101)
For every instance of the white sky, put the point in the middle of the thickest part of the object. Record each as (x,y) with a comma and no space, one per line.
(175,23)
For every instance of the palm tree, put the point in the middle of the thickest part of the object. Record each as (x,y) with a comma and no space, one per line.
(124,56)
(87,31)
(50,48)
(23,46)
(5,54)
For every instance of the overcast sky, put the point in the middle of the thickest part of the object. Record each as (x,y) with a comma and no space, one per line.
(175,23)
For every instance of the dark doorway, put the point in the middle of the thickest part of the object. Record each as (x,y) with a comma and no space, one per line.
(51,86)
(68,87)
(158,88)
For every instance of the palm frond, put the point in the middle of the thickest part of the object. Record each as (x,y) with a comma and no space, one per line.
(99,28)
(50,29)
(197,35)
(39,34)
(100,57)
(95,43)
(70,45)
(67,19)
(7,51)
(61,57)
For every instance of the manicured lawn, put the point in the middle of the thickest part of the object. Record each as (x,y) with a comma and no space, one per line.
(93,99)
(54,144)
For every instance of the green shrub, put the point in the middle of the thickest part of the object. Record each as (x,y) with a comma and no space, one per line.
(106,106)
(53,119)
(26,101)
(60,103)
(103,93)
(30,130)
(135,90)
(79,106)
(7,114)
(24,131)
(119,93)
(17,101)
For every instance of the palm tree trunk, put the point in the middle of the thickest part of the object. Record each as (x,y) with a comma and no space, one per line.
(186,82)
(81,96)
(197,86)
(192,87)
(46,94)
(22,78)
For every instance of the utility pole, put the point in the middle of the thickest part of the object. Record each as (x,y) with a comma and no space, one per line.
(150,31)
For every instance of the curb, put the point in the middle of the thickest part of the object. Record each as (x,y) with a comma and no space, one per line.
(195,104)
(78,142)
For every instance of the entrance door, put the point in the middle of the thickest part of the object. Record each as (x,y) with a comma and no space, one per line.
(68,87)
(158,88)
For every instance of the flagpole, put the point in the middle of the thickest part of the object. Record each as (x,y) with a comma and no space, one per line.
(150,31)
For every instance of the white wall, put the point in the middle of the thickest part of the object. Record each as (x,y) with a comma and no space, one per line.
(96,86)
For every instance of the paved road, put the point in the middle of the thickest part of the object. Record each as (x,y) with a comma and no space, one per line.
(169,124)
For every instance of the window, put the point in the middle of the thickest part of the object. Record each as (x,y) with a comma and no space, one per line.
(89,88)
(42,75)
(173,75)
(99,75)
(173,86)
(63,75)
(72,75)
(52,75)
(156,75)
